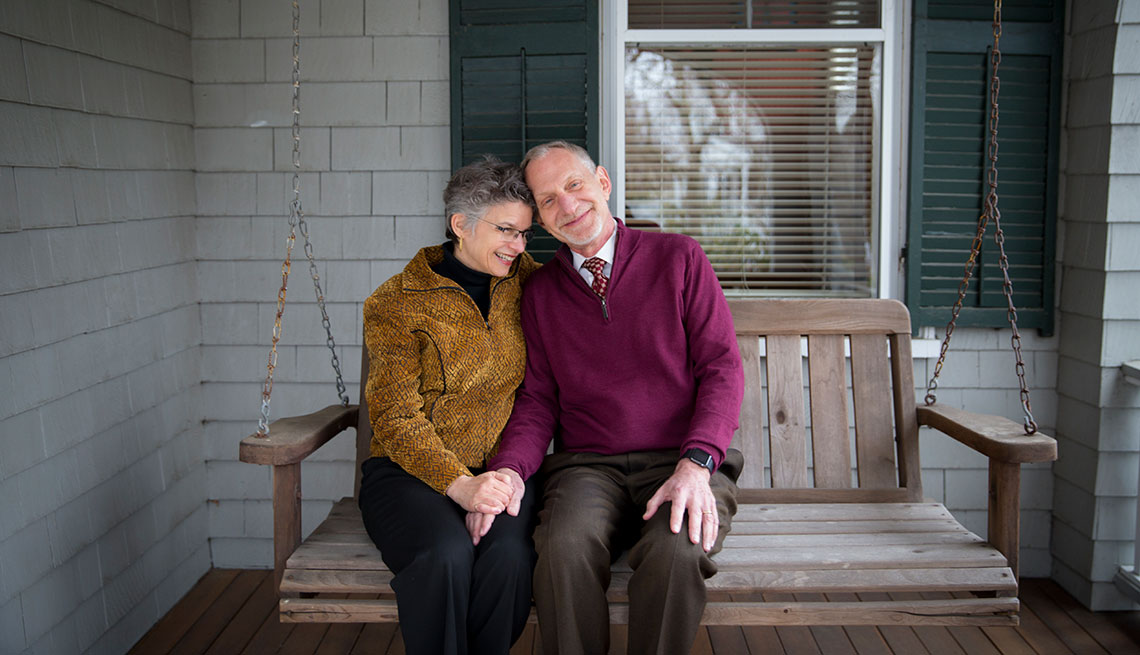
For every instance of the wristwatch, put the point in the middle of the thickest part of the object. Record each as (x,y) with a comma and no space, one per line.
(700,457)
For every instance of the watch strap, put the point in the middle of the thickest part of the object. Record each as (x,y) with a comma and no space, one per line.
(702,457)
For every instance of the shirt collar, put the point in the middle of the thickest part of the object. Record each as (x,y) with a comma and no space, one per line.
(606,253)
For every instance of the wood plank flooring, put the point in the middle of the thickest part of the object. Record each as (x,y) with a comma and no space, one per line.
(234,611)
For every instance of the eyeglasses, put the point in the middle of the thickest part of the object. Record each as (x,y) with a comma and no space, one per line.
(509,234)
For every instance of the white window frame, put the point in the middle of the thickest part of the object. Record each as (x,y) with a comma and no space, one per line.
(891,130)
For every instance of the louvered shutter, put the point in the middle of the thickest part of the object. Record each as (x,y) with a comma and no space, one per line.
(1013,11)
(949,162)
(522,73)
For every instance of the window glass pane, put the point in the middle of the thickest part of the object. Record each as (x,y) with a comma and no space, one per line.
(764,155)
(692,14)
(757,14)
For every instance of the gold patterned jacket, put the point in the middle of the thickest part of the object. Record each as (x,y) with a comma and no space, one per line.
(441,379)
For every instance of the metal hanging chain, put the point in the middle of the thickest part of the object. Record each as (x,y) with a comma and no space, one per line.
(296,219)
(989,212)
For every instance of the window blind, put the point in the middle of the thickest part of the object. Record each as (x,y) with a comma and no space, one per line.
(764,155)
(756,14)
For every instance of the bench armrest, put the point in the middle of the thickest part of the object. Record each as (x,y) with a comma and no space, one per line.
(995,437)
(294,438)
(1008,447)
(290,441)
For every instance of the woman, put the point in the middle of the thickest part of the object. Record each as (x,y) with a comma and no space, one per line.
(447,354)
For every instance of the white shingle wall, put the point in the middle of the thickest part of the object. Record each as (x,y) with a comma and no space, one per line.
(374,159)
(102,477)
(1094,504)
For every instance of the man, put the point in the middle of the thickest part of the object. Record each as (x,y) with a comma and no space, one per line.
(633,366)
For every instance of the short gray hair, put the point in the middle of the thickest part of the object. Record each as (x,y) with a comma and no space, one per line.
(540,151)
(478,186)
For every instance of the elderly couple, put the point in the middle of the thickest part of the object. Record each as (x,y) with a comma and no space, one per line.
(626,355)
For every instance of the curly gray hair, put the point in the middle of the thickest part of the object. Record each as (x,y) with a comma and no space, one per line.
(478,186)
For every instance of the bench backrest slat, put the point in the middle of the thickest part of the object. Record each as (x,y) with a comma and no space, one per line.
(774,432)
(749,439)
(785,412)
(830,446)
(363,425)
(874,446)
(906,423)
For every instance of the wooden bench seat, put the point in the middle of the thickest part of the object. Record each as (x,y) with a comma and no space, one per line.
(824,514)
(813,548)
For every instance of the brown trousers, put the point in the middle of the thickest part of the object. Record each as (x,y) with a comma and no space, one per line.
(592,508)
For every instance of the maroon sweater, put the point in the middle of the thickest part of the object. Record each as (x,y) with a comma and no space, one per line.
(659,369)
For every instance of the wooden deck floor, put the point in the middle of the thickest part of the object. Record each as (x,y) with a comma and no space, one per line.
(233,611)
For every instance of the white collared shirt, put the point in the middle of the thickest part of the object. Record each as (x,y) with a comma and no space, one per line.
(606,254)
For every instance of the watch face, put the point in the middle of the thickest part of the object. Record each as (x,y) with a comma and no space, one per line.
(700,457)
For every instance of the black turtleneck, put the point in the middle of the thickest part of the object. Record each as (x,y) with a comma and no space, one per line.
(476,284)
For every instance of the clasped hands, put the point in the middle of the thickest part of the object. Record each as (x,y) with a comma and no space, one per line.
(485,496)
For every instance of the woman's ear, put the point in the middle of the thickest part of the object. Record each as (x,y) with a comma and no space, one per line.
(457,222)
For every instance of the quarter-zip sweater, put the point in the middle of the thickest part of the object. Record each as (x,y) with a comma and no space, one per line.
(441,378)
(659,368)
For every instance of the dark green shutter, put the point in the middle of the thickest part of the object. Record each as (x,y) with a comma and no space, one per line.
(948,167)
(523,72)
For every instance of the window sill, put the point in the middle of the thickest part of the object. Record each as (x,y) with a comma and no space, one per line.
(1131,371)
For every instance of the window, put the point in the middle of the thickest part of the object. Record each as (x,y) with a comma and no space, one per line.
(788,137)
(760,129)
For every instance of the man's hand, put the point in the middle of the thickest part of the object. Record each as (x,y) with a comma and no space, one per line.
(689,491)
(489,493)
(517,487)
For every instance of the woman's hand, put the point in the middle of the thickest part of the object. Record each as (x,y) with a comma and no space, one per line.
(489,492)
(478,525)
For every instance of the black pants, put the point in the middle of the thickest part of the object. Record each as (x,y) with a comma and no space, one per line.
(453,597)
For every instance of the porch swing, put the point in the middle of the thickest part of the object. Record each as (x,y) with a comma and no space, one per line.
(809,546)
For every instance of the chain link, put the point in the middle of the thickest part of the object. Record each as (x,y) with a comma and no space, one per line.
(296,220)
(989,212)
